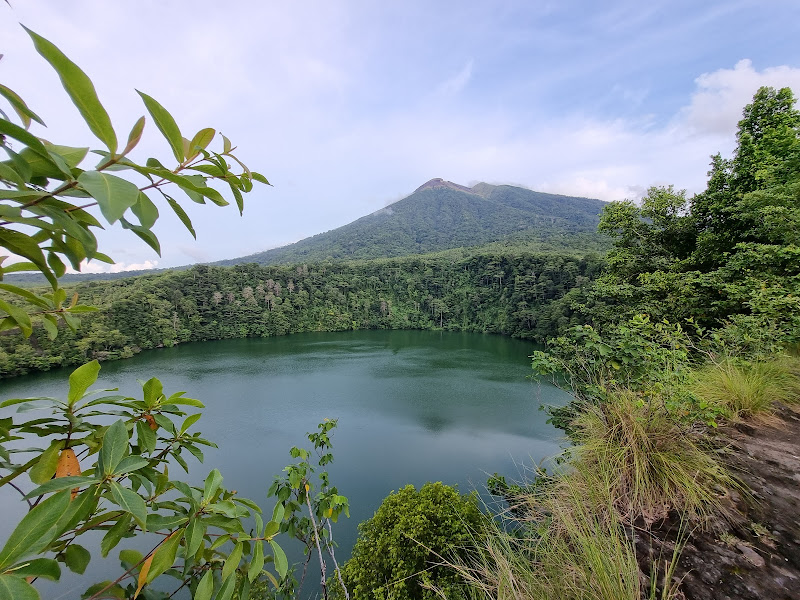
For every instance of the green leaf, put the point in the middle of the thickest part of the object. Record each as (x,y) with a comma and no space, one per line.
(194,536)
(145,211)
(56,264)
(115,534)
(19,106)
(21,135)
(260,178)
(200,141)
(130,502)
(257,563)
(190,420)
(271,529)
(212,483)
(33,528)
(23,293)
(184,402)
(170,522)
(178,210)
(239,198)
(165,555)
(25,246)
(206,587)
(112,590)
(114,194)
(134,136)
(153,391)
(80,89)
(232,562)
(227,589)
(278,512)
(50,324)
(130,464)
(146,437)
(39,567)
(16,588)
(80,380)
(20,317)
(44,470)
(114,448)
(79,508)
(131,557)
(281,564)
(77,558)
(166,125)
(144,234)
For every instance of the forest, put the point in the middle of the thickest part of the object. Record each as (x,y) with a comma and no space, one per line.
(685,332)
(513,293)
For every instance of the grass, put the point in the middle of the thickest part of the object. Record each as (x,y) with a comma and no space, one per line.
(743,390)
(632,462)
(573,547)
(653,464)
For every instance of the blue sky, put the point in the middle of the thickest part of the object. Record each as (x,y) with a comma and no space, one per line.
(349,105)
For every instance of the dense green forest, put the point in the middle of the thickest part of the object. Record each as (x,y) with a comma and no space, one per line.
(511,292)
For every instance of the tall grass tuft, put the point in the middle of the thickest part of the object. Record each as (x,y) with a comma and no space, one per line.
(573,548)
(744,390)
(654,466)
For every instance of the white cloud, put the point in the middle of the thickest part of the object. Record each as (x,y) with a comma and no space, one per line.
(716,105)
(119,267)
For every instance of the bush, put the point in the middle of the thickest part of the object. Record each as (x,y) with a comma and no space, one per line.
(654,465)
(748,389)
(400,551)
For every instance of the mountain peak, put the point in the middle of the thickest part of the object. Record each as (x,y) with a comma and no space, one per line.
(438,182)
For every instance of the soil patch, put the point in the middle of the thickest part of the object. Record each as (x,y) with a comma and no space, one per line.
(756,555)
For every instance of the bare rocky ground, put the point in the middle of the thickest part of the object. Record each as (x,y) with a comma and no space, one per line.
(756,554)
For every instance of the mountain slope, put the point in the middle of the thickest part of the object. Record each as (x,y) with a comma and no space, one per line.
(441,215)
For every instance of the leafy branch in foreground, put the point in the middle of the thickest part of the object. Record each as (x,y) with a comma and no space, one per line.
(46,194)
(115,478)
(86,475)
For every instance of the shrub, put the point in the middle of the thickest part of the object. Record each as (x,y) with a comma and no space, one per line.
(400,551)
(653,464)
(748,389)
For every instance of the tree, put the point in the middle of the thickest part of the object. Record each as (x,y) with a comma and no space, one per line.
(767,156)
(400,551)
(87,475)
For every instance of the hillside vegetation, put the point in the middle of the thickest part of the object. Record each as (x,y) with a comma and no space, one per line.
(515,293)
(441,215)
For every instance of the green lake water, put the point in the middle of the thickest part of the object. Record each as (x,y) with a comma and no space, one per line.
(413,406)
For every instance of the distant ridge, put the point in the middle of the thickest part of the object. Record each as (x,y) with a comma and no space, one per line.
(441,215)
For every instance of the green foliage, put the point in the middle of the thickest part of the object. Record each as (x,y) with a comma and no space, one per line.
(119,482)
(740,389)
(650,358)
(400,552)
(653,465)
(520,294)
(86,475)
(438,218)
(307,505)
(45,191)
(569,544)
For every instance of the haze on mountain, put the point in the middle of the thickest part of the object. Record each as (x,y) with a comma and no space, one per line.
(441,215)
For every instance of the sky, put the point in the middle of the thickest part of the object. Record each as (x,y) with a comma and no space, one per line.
(347,106)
